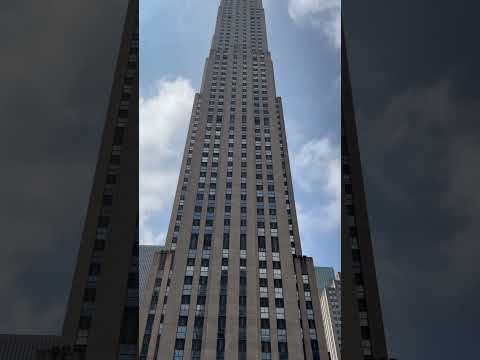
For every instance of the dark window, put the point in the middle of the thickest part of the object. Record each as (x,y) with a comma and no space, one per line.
(275,244)
(179,344)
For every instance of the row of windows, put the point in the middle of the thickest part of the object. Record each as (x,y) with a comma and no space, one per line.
(356,256)
(242,308)
(312,332)
(253,38)
(154,303)
(196,116)
(196,346)
(263,284)
(221,325)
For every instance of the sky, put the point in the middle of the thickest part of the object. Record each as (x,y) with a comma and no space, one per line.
(415,76)
(304,39)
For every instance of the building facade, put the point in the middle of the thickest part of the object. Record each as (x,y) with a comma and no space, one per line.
(232,282)
(363,336)
(330,301)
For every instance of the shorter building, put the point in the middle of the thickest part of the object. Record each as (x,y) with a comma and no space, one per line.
(330,302)
(325,276)
(146,254)
(160,268)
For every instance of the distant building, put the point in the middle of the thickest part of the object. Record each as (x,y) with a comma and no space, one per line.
(145,259)
(330,301)
(325,276)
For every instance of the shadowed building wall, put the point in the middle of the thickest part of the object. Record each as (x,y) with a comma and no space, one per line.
(363,336)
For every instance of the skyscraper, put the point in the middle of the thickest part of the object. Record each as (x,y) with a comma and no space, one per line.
(232,283)
(363,336)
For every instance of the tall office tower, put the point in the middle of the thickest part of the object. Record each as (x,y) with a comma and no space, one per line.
(362,333)
(102,312)
(324,276)
(234,284)
(146,255)
(330,301)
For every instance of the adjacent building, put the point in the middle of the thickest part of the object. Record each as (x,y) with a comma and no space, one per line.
(101,320)
(363,336)
(232,282)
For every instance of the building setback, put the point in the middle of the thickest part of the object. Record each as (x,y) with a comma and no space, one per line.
(363,336)
(232,282)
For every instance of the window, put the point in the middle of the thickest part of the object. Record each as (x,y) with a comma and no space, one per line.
(275,244)
(265,324)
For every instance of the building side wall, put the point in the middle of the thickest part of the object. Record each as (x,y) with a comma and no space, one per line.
(102,294)
(363,333)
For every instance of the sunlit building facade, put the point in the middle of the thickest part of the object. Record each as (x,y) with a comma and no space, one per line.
(232,282)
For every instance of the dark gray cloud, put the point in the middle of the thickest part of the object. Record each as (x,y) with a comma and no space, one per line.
(56,69)
(415,83)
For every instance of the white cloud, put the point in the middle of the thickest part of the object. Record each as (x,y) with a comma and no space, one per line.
(320,14)
(149,236)
(164,119)
(317,167)
(317,172)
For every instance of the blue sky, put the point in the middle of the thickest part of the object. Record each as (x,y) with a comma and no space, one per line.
(304,39)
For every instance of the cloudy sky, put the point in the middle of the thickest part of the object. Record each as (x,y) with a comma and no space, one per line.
(304,39)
